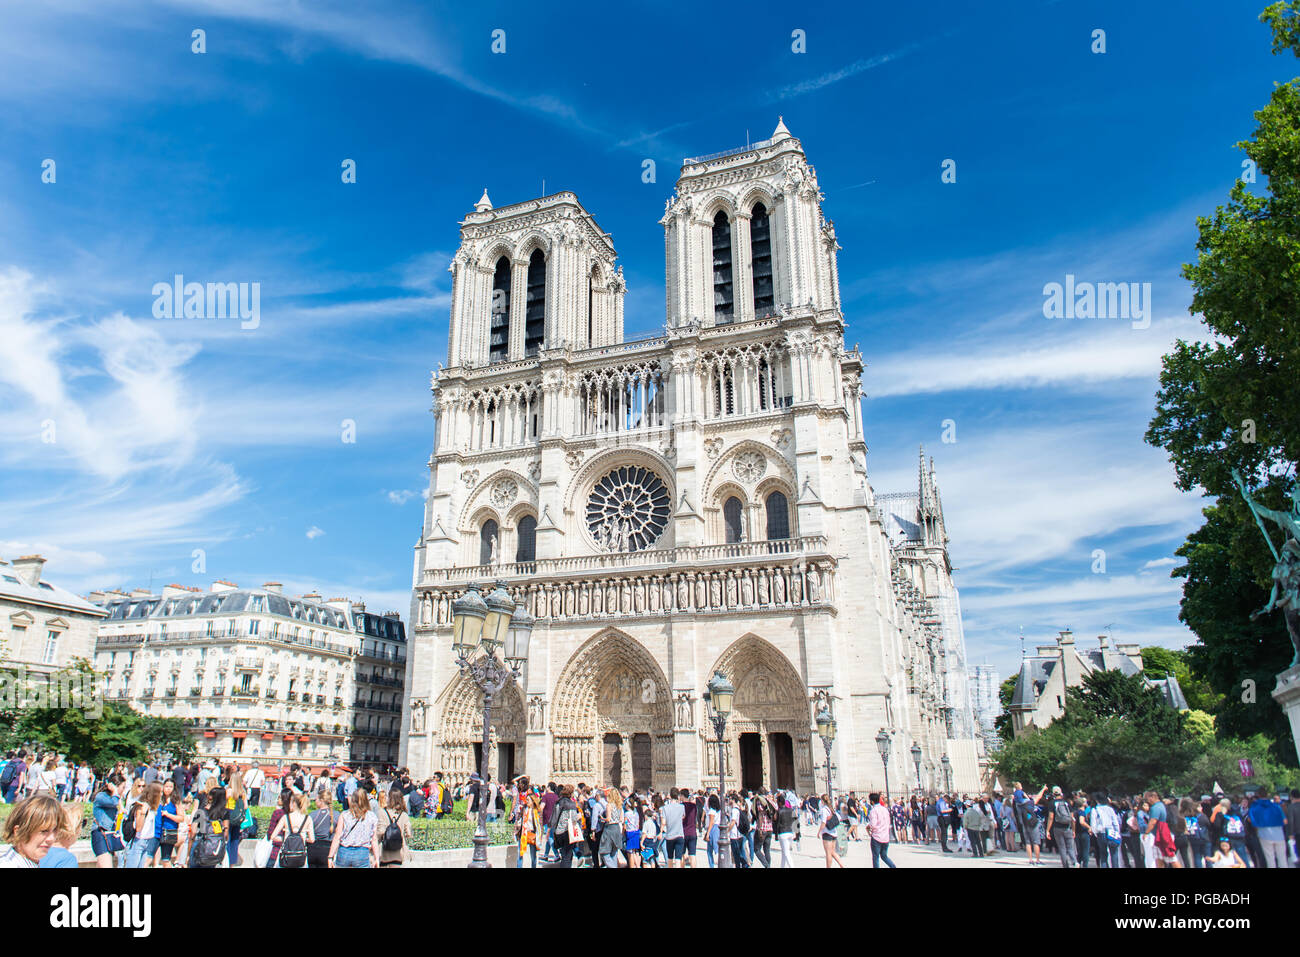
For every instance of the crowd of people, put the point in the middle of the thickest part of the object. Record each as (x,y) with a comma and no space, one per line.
(192,815)
(1137,831)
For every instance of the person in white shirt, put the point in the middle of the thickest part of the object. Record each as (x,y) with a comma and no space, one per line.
(254,779)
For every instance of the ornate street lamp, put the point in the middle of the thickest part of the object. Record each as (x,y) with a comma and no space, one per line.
(718,700)
(826,731)
(488,624)
(916,759)
(882,743)
(947,773)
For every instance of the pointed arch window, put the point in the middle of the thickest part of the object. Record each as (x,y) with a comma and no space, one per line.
(778,517)
(731,517)
(535,309)
(723,295)
(487,541)
(499,342)
(526,550)
(760,245)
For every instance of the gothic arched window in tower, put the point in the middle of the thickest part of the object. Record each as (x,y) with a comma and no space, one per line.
(499,343)
(526,550)
(628,510)
(731,516)
(535,310)
(760,246)
(723,296)
(778,517)
(488,536)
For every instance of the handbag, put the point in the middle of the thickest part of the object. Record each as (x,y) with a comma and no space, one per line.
(574,829)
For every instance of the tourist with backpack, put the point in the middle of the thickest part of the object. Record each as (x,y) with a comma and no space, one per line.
(104,839)
(1105,823)
(737,829)
(828,830)
(211,831)
(144,825)
(396,836)
(239,815)
(294,833)
(323,820)
(1060,824)
(1197,829)
(356,836)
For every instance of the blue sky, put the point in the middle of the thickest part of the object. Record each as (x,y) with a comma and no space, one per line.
(171,436)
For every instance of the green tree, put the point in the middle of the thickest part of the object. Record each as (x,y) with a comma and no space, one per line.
(1234,402)
(168,736)
(1113,694)
(1002,723)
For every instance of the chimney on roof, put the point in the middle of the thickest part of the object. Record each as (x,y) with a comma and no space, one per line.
(310,596)
(1065,638)
(140,593)
(220,586)
(96,597)
(173,590)
(1103,642)
(28,568)
(275,587)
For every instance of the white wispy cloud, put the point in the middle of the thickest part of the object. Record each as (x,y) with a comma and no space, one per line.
(401,496)
(315,532)
(814,84)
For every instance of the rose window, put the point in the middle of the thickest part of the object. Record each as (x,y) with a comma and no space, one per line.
(628,510)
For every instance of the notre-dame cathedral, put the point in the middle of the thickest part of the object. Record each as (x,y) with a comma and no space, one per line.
(672,506)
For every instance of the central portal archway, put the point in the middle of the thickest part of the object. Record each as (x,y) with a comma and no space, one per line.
(769,733)
(612,722)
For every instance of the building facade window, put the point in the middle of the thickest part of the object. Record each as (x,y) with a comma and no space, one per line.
(760,246)
(51,648)
(723,296)
(526,549)
(535,310)
(731,517)
(487,542)
(499,343)
(778,517)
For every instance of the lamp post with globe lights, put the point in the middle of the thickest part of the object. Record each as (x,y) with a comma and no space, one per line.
(883,743)
(486,625)
(826,731)
(718,700)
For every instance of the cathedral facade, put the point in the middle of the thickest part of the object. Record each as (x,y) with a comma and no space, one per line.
(672,506)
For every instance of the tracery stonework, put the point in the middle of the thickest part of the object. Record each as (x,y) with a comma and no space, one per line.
(750,466)
(594,475)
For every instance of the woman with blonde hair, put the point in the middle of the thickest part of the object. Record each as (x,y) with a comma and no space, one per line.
(236,806)
(145,819)
(30,831)
(392,854)
(356,837)
(40,781)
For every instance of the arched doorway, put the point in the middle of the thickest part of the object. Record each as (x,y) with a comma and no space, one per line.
(612,720)
(460,732)
(768,736)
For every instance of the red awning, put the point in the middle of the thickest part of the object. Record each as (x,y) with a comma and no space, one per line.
(239,734)
(267,736)
(303,737)
(288,737)
(209,734)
